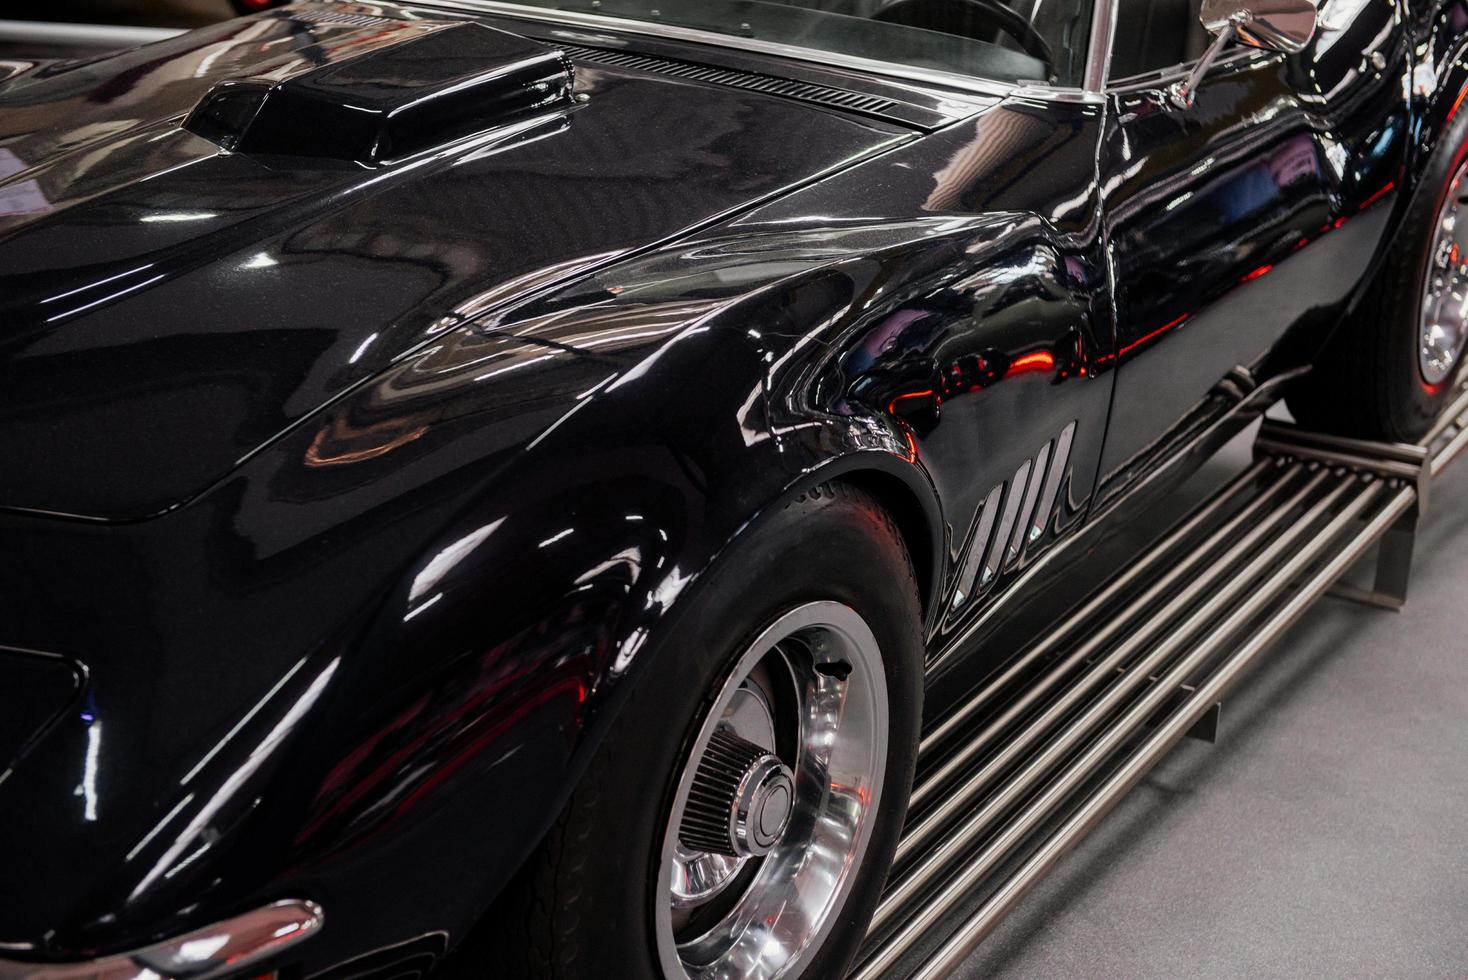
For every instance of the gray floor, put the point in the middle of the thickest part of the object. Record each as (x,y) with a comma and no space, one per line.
(1325,835)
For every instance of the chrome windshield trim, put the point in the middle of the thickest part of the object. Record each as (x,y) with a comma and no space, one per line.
(1098,52)
(213,951)
(886,69)
(1049,93)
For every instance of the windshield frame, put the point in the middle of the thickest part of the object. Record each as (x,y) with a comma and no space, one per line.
(1098,54)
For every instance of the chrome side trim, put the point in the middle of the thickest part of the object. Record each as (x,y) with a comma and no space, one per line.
(225,947)
(1027,509)
(1028,500)
(1053,481)
(978,546)
(994,560)
(929,76)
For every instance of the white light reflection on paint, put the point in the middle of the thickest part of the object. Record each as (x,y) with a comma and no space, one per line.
(89,772)
(443,562)
(237,780)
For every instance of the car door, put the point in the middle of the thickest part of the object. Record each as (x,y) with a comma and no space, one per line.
(1239,223)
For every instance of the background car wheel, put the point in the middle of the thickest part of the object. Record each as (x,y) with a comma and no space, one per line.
(789,691)
(1392,367)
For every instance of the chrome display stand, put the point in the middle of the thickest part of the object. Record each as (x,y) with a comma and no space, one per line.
(1015,776)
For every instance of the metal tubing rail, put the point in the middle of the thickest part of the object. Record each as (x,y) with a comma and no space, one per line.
(983,921)
(1000,846)
(1452,427)
(975,744)
(919,834)
(1014,832)
(1012,785)
(1098,601)
(1452,418)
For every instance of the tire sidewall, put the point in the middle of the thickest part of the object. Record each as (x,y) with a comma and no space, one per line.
(831,544)
(1417,402)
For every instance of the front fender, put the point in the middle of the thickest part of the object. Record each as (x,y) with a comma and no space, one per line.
(413,620)
(409,620)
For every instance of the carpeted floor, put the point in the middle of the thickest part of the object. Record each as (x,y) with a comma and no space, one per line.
(1325,835)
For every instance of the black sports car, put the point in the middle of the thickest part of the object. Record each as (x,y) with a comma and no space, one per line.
(514,478)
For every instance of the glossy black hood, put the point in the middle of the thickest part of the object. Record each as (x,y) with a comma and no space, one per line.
(168,306)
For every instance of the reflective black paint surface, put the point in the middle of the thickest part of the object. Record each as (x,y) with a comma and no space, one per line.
(384,479)
(213,300)
(1257,209)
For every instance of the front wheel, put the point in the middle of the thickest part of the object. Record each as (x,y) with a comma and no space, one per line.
(739,819)
(757,857)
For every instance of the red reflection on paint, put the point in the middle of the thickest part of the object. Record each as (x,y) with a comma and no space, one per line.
(892,405)
(1378,195)
(1255,274)
(1456,103)
(1155,333)
(1040,360)
(466,751)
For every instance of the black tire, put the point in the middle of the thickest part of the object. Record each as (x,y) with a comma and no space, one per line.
(581,907)
(1367,382)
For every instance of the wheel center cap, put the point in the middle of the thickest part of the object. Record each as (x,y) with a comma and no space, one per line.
(764,811)
(741,799)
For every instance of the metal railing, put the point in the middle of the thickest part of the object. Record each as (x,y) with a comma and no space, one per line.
(1038,754)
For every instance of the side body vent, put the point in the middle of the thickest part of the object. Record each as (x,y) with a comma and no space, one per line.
(1013,518)
(836,98)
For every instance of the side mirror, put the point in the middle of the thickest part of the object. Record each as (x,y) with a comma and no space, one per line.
(1274,25)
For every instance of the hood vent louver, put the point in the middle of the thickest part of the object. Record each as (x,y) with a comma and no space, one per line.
(836,98)
(430,88)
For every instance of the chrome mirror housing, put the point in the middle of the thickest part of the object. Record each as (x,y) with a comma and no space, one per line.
(1274,25)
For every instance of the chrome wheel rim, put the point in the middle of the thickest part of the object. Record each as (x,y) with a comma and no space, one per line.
(810,692)
(1443,323)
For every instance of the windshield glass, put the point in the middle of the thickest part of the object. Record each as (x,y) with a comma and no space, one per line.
(1006,40)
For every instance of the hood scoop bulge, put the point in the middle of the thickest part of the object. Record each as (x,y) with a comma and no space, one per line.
(429,89)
